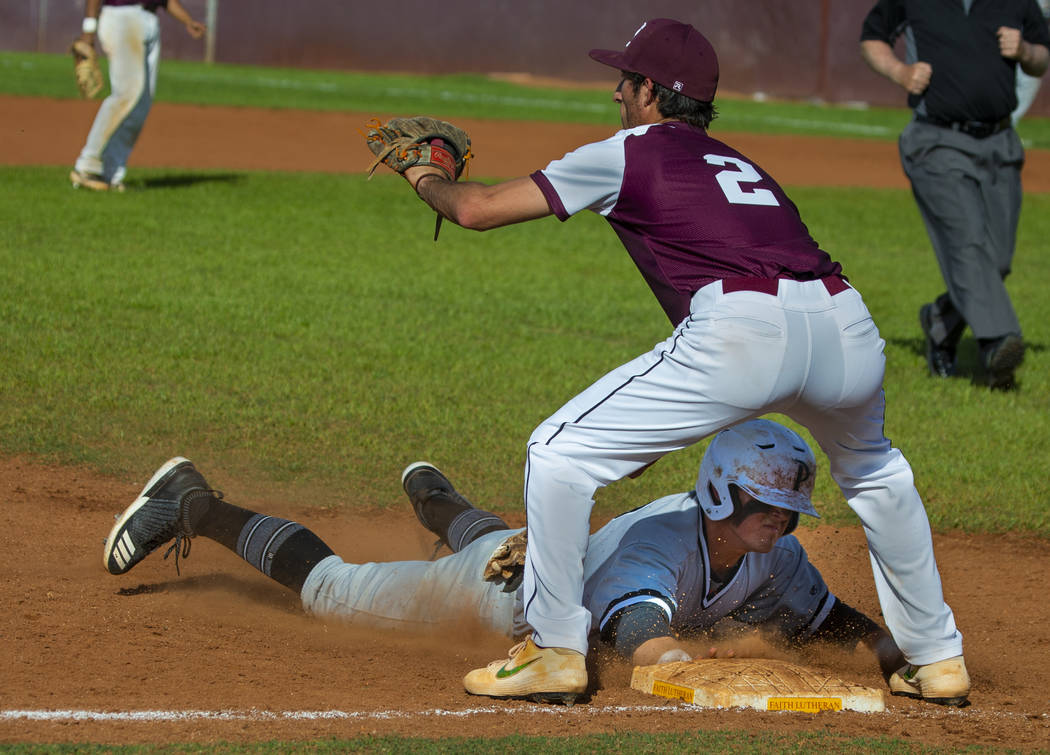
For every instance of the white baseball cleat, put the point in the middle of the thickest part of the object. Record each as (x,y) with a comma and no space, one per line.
(944,682)
(92,181)
(543,675)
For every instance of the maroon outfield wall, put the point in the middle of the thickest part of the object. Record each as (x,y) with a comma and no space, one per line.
(793,50)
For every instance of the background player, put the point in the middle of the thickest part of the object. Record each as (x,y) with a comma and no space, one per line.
(130,37)
(763,322)
(650,578)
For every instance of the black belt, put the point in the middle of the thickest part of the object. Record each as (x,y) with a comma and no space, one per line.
(976,129)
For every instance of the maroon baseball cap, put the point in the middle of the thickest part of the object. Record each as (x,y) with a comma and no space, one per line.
(670,53)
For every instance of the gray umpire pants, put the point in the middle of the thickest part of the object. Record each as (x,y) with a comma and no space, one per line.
(969,195)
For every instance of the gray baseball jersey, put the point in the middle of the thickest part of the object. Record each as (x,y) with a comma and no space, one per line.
(657,555)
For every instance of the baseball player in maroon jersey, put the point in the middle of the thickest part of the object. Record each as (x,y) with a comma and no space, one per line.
(764,321)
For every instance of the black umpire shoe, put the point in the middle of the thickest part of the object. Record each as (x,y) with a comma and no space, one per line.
(939,357)
(170,505)
(442,510)
(1000,358)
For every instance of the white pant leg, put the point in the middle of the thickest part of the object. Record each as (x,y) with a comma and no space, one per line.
(130,39)
(878,485)
(412,595)
(729,361)
(844,409)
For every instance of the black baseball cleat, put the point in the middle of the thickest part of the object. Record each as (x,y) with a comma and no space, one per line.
(171,504)
(1000,360)
(442,510)
(939,358)
(426,485)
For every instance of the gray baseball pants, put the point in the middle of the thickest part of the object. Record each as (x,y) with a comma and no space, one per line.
(414,595)
(969,195)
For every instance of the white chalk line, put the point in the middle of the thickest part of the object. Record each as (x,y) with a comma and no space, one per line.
(155,716)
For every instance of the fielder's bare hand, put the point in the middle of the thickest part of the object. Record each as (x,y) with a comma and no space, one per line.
(193,27)
(196,29)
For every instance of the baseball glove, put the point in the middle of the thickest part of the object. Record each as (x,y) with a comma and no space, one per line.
(402,143)
(507,562)
(86,68)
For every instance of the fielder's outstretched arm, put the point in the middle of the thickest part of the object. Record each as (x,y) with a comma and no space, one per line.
(476,205)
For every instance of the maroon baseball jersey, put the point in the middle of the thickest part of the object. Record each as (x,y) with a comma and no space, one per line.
(689,209)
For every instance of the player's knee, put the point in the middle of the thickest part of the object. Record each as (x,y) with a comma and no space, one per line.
(551,464)
(857,471)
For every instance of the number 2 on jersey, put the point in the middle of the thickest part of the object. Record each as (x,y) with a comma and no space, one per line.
(733,182)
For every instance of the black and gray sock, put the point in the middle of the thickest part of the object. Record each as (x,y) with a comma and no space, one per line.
(469,525)
(282,550)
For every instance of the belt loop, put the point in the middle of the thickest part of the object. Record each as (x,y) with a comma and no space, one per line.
(835,284)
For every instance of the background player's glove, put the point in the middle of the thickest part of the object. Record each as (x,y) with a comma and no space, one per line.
(86,68)
(402,143)
(507,562)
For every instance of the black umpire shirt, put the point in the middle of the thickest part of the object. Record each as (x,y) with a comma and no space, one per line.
(971,81)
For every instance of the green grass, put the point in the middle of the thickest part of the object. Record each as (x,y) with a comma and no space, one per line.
(700,741)
(456,96)
(272,320)
(966,446)
(271,327)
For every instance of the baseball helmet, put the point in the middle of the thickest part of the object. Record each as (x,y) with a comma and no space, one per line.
(766,459)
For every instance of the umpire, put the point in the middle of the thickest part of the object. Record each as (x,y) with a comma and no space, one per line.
(963,158)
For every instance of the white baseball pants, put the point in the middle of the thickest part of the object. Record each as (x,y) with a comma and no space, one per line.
(130,39)
(803,352)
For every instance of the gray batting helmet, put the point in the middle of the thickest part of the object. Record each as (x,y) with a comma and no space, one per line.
(766,459)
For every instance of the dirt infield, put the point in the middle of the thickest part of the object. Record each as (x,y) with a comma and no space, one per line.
(222,653)
(186,136)
(223,640)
